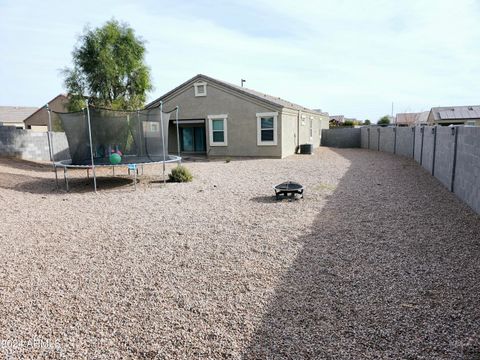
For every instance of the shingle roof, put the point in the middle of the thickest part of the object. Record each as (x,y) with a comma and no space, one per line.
(15,114)
(249,92)
(456,112)
(411,118)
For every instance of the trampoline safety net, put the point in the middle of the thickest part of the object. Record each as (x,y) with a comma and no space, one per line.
(136,136)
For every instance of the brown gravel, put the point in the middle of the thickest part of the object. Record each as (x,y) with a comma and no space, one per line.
(378,261)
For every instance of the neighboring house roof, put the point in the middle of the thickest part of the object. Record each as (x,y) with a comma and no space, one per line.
(249,92)
(406,118)
(338,118)
(324,113)
(40,116)
(412,119)
(15,114)
(422,117)
(456,112)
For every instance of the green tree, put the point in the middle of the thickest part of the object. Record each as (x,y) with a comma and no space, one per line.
(384,120)
(367,122)
(108,68)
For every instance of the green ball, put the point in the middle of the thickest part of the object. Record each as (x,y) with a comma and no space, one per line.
(115,159)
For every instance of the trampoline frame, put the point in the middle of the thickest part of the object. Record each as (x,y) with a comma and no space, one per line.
(66,164)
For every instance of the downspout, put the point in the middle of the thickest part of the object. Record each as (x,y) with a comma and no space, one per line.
(298,132)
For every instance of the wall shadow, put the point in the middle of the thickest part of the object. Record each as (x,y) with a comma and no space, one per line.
(389,270)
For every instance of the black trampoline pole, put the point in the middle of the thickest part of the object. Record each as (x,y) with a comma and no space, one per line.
(163,142)
(91,148)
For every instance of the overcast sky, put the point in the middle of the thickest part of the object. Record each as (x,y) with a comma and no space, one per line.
(343,56)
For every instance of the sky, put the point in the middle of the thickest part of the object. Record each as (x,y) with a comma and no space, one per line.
(342,56)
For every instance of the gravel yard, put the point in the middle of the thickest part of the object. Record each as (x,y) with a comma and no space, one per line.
(378,261)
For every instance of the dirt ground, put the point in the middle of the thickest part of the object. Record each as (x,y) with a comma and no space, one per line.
(378,260)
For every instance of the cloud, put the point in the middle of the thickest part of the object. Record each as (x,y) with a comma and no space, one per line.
(343,56)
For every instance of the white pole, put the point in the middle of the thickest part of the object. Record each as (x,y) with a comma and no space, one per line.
(50,144)
(178,132)
(163,142)
(91,147)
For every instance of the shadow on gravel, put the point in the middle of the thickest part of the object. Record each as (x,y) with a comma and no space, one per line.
(264,199)
(25,164)
(39,185)
(387,271)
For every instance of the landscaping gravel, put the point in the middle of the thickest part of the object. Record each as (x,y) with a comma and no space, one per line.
(378,260)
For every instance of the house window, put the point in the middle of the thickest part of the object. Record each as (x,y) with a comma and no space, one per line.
(267,128)
(151,128)
(217,125)
(200,89)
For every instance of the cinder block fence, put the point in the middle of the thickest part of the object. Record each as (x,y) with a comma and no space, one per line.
(31,145)
(451,154)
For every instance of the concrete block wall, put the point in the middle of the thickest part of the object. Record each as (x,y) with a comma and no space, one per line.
(404,143)
(444,155)
(466,184)
(364,137)
(387,139)
(341,138)
(451,154)
(374,134)
(31,145)
(417,149)
(428,148)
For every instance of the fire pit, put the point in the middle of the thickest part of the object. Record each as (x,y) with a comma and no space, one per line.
(288,188)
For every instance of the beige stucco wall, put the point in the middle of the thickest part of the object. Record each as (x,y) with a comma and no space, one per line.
(40,118)
(241,121)
(296,126)
(289,133)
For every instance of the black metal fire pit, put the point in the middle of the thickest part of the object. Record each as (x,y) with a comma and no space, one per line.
(288,188)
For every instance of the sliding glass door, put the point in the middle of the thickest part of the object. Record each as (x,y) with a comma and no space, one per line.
(192,139)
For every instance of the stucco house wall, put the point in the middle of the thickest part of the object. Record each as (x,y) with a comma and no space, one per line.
(241,110)
(241,120)
(38,121)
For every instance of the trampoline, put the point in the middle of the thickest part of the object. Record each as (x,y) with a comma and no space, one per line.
(109,138)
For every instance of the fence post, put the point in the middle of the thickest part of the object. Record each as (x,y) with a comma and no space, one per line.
(378,145)
(434,132)
(422,130)
(368,130)
(414,130)
(454,165)
(395,141)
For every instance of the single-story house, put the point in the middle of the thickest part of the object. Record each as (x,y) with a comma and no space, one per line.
(455,115)
(14,115)
(38,121)
(217,118)
(411,119)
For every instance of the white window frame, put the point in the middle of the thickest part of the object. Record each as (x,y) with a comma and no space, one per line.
(223,117)
(259,129)
(197,86)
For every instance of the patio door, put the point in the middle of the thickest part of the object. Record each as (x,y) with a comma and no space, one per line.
(192,139)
